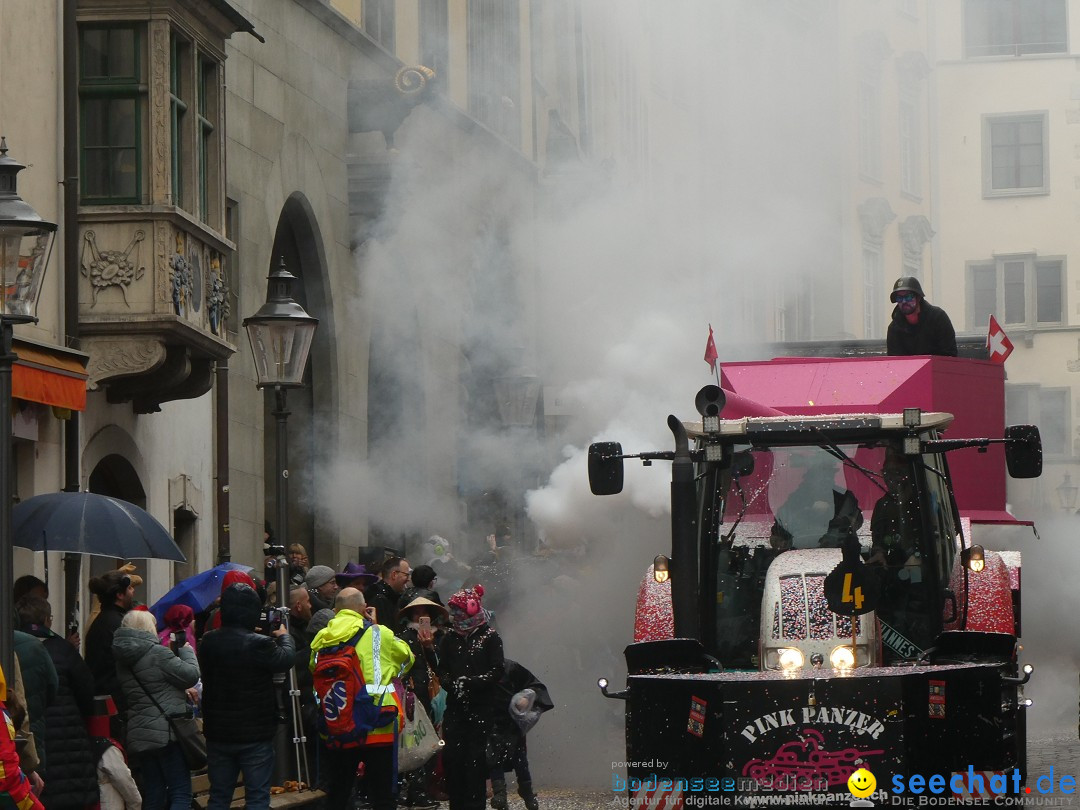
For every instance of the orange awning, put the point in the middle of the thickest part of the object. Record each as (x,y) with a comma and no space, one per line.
(49,375)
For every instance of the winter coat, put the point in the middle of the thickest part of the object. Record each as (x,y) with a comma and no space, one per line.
(384,599)
(99,653)
(238,665)
(933,333)
(41,684)
(469,667)
(150,671)
(419,678)
(118,789)
(71,776)
(506,739)
(384,659)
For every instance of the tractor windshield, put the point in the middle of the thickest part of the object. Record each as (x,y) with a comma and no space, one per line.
(779,500)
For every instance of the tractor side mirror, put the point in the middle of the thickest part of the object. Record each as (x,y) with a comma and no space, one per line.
(1023,451)
(605,468)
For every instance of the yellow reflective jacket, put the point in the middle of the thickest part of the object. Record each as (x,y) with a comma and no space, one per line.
(383,658)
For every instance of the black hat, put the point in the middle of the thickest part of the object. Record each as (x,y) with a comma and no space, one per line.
(906,284)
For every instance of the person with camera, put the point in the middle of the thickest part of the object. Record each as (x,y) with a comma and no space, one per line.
(155,679)
(240,711)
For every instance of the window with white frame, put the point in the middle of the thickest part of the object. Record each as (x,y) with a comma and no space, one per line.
(1020,290)
(1046,407)
(909,148)
(869,101)
(1014,27)
(494,52)
(1015,154)
(379,22)
(435,38)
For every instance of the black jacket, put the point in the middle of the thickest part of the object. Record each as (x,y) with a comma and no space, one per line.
(99,653)
(507,738)
(384,599)
(932,334)
(71,774)
(476,659)
(239,702)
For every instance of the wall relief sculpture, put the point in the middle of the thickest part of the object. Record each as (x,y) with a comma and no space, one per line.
(110,268)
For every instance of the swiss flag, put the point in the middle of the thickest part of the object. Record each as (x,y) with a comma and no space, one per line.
(997,342)
(710,350)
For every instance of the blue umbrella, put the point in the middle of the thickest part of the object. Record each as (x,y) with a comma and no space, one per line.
(88,523)
(198,591)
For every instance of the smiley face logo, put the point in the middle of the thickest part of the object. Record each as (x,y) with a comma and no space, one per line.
(861,783)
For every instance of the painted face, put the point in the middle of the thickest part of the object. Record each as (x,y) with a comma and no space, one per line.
(861,783)
(908,302)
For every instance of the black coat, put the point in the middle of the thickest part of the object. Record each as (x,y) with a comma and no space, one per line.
(933,333)
(384,599)
(477,659)
(506,738)
(239,702)
(99,653)
(71,774)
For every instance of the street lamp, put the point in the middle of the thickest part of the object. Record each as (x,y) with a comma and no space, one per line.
(25,243)
(280,334)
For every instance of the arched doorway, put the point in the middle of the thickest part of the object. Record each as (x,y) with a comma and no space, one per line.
(298,242)
(116,477)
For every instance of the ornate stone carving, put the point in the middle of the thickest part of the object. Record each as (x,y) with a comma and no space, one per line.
(217,297)
(915,231)
(121,357)
(162,275)
(911,70)
(379,105)
(874,215)
(110,268)
(181,278)
(161,165)
(195,252)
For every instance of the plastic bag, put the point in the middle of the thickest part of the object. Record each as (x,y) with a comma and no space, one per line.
(524,711)
(418,742)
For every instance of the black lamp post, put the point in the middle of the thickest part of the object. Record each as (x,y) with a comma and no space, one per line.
(280,334)
(25,243)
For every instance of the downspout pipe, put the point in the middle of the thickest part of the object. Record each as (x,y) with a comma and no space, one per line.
(70,259)
(221,451)
(72,475)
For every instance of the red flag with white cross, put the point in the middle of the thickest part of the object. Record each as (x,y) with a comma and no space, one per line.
(997,342)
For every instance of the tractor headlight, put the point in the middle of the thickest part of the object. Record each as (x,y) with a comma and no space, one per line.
(660,568)
(842,657)
(791,659)
(973,558)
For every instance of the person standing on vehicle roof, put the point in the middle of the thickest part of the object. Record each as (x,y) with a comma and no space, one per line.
(917,326)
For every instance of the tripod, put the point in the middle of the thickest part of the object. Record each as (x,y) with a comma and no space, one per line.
(299,739)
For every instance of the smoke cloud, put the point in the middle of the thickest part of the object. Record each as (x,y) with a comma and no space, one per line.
(671,221)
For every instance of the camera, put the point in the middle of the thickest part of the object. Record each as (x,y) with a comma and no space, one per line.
(270,619)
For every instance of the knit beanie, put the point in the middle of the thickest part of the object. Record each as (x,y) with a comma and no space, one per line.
(466,611)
